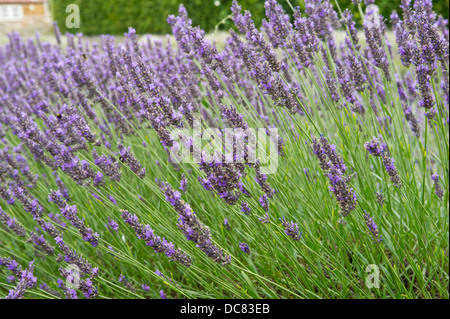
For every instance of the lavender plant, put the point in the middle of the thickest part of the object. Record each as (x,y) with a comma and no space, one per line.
(90,128)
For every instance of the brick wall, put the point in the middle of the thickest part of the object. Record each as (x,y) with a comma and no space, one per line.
(33,9)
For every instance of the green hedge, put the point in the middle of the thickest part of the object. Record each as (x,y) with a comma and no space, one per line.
(149,16)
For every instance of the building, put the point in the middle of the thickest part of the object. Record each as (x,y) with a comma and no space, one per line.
(16,15)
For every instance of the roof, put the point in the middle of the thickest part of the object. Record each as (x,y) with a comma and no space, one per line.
(21,1)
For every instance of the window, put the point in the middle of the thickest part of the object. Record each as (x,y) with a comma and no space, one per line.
(11,12)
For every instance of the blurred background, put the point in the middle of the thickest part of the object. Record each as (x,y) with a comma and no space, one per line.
(146,16)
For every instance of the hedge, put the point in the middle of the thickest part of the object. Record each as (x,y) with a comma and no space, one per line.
(149,16)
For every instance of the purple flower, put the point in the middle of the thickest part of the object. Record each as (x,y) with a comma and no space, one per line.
(192,228)
(373,228)
(41,244)
(406,46)
(264,202)
(374,147)
(183,183)
(156,242)
(112,224)
(389,164)
(12,224)
(96,196)
(265,219)
(127,157)
(291,229)
(126,283)
(380,198)
(334,168)
(244,247)
(72,257)
(71,214)
(227,225)
(348,90)
(49,290)
(261,179)
(112,199)
(108,167)
(10,279)
(98,179)
(437,186)
(245,208)
(26,281)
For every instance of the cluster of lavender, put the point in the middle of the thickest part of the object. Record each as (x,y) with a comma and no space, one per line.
(32,206)
(72,277)
(71,214)
(27,279)
(244,247)
(423,41)
(264,67)
(156,242)
(192,228)
(437,186)
(183,183)
(40,244)
(335,169)
(128,285)
(375,148)
(373,228)
(12,224)
(83,274)
(49,290)
(223,178)
(374,29)
(51,97)
(128,158)
(13,164)
(108,167)
(291,229)
(69,293)
(380,198)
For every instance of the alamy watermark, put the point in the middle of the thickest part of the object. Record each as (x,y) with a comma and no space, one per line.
(73,279)
(73,19)
(373,279)
(226,146)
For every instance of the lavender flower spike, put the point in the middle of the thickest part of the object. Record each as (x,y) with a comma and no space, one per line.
(373,228)
(380,198)
(389,164)
(183,183)
(437,186)
(375,148)
(151,239)
(12,224)
(71,214)
(127,157)
(334,168)
(192,228)
(291,229)
(27,281)
(244,247)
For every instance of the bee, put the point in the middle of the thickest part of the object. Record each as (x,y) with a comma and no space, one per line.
(121,159)
(59,116)
(84,56)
